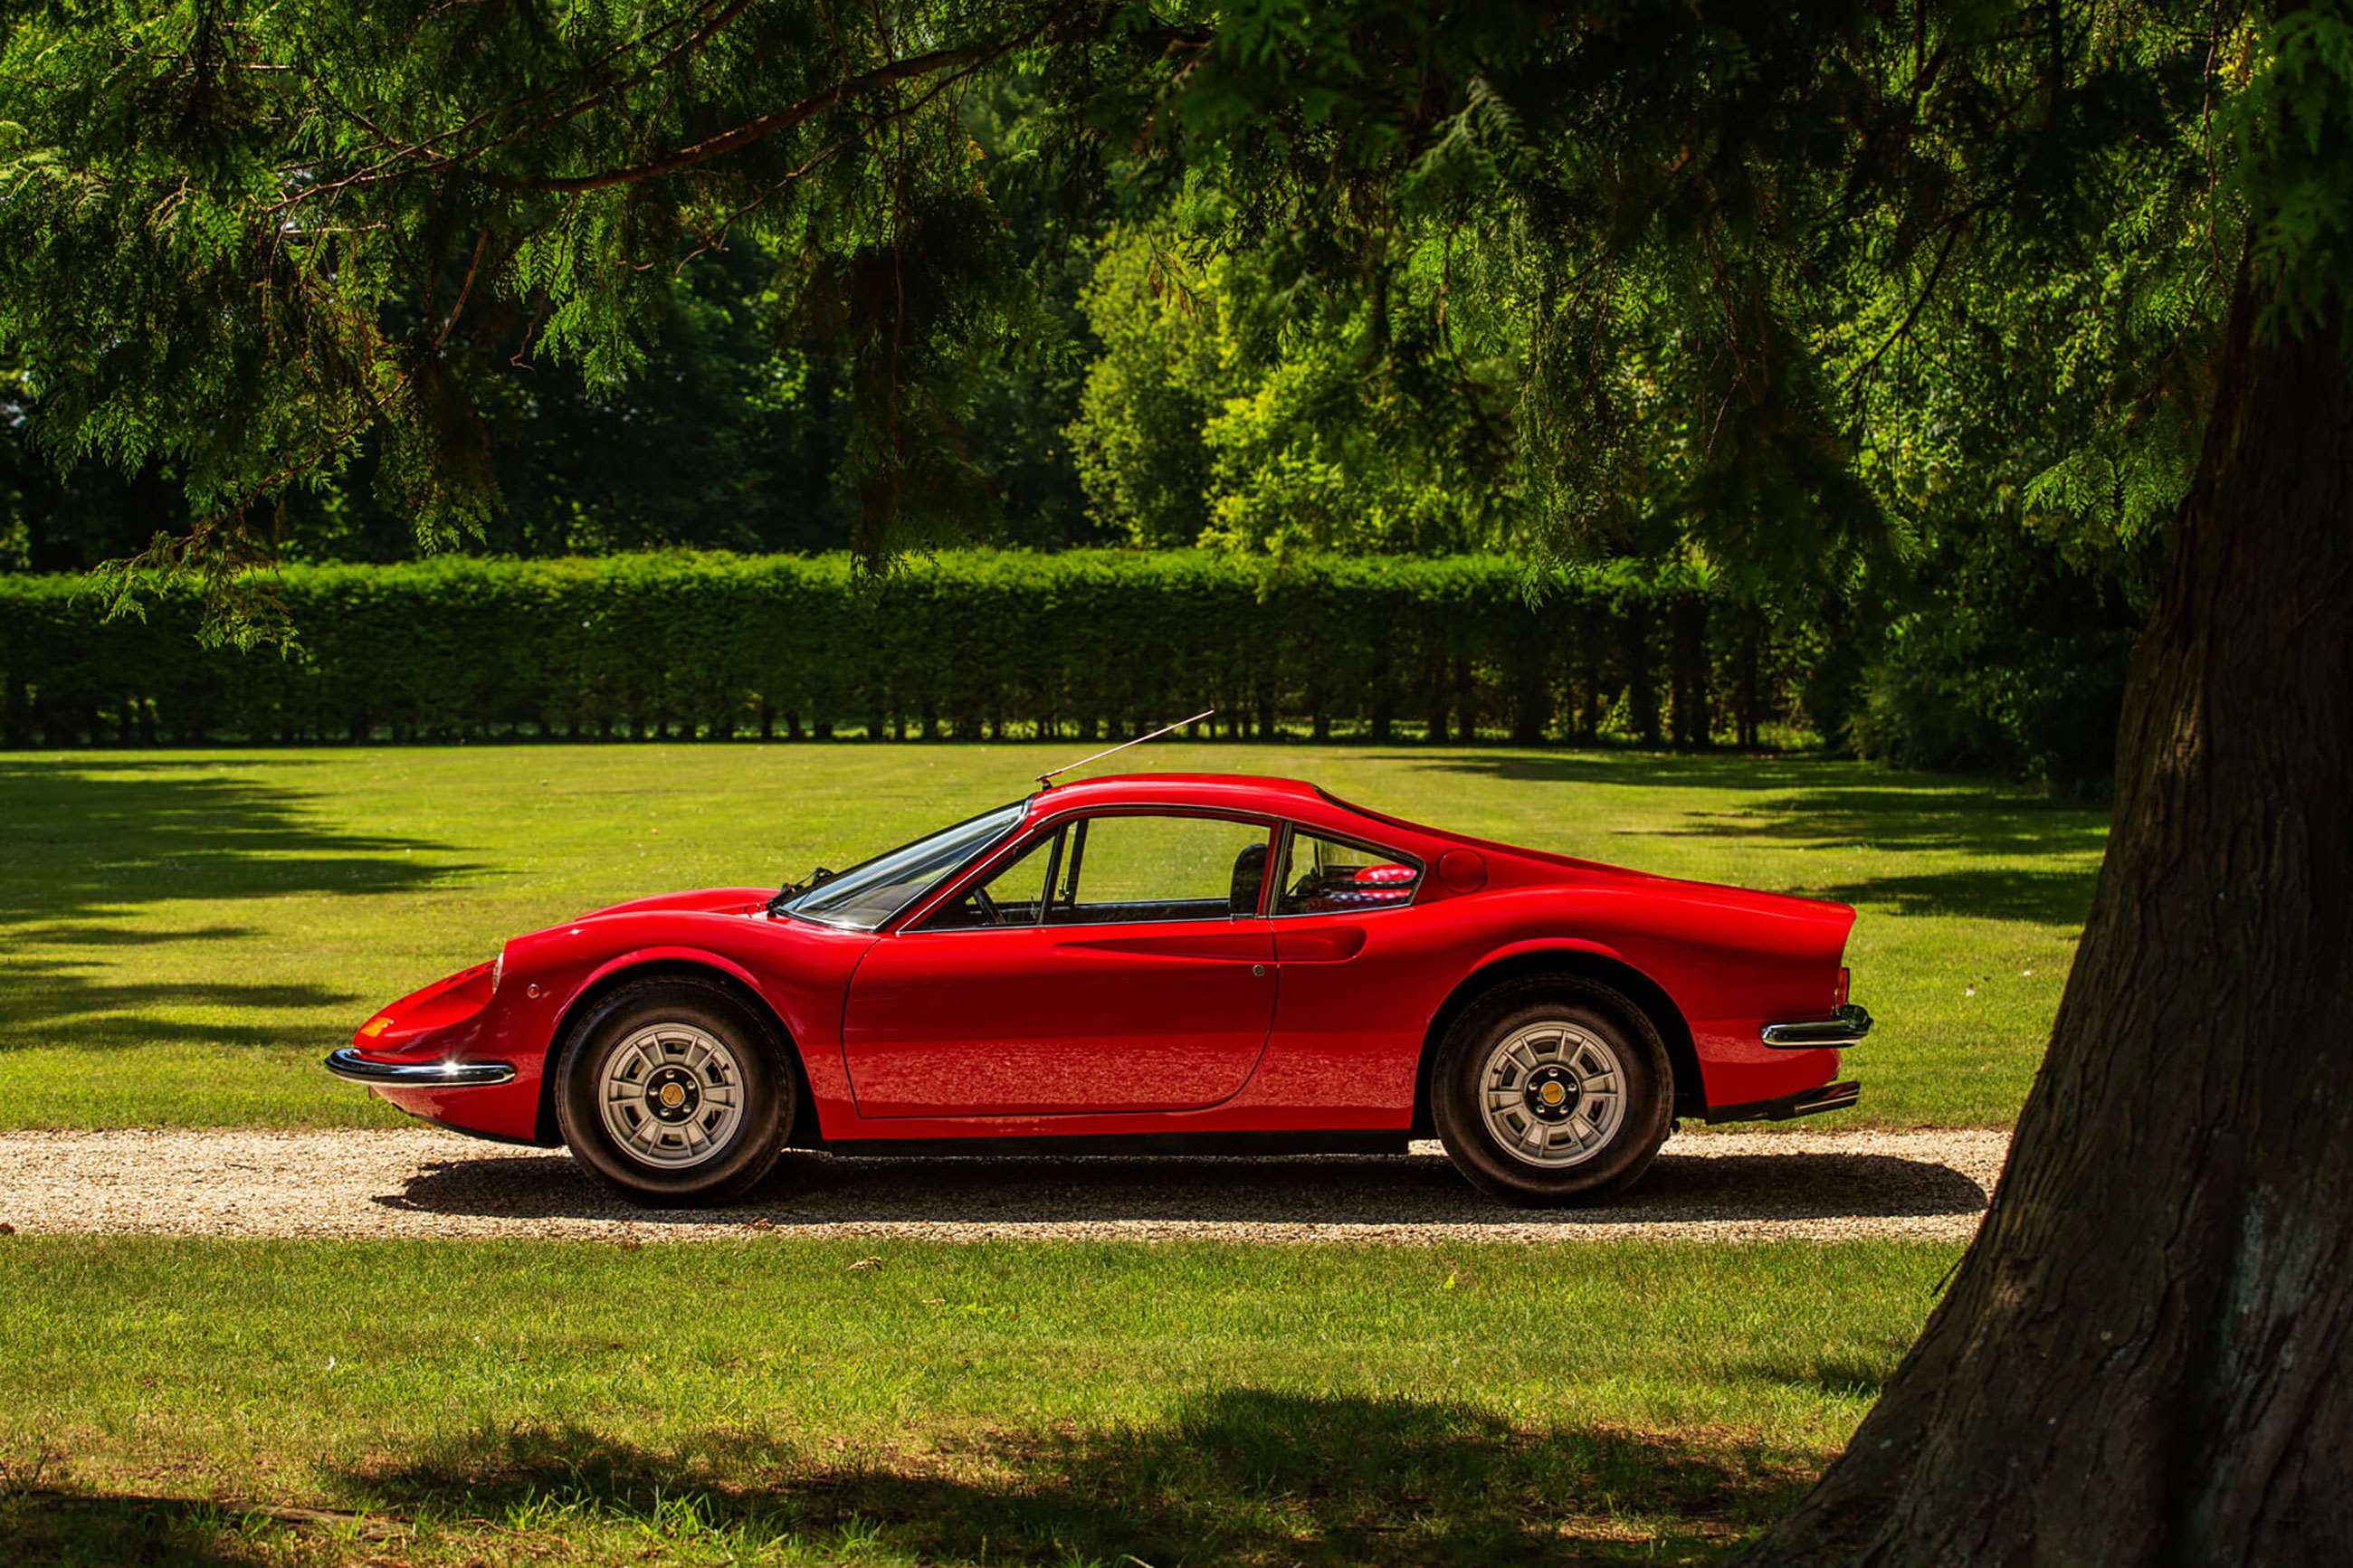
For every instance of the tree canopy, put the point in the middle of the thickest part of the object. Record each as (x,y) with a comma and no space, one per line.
(1711,281)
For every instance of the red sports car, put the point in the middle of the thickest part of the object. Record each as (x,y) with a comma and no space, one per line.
(1185,962)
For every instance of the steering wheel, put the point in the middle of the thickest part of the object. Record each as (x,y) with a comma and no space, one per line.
(989,913)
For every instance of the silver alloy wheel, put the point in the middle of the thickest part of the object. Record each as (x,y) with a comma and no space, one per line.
(1552,1094)
(671,1095)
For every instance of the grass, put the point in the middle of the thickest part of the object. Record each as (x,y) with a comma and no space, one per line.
(809,1400)
(183,934)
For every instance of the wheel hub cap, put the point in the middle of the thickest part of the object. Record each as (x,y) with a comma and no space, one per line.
(674,1095)
(671,1095)
(1553,1094)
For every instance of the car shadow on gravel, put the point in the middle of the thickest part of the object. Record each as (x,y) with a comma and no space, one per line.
(1372,1191)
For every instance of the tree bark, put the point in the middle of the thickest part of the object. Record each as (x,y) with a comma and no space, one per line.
(1688,621)
(1750,696)
(1641,696)
(2141,1359)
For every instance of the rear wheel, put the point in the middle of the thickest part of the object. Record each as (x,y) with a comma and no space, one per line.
(1552,1091)
(673,1092)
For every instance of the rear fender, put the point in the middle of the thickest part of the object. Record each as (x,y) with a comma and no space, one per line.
(1583,959)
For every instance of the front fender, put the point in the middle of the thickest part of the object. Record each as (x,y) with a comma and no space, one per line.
(799,972)
(644,957)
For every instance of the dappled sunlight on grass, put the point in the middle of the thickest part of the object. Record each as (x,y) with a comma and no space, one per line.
(903,1402)
(1242,1475)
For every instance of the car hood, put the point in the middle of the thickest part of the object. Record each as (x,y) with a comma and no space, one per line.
(701,902)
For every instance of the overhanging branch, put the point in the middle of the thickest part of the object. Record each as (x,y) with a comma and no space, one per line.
(961,58)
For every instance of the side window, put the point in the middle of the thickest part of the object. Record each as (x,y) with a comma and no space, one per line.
(1012,897)
(1159,869)
(1323,876)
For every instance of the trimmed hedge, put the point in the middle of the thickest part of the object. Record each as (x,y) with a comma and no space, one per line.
(1081,643)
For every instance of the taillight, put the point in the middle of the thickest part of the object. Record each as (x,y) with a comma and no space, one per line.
(1840,1000)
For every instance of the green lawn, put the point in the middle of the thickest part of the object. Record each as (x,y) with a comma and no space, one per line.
(183,934)
(893,1402)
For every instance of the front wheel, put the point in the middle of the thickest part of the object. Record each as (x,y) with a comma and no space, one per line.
(673,1092)
(1548,1092)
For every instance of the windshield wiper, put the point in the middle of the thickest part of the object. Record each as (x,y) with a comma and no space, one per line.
(792,890)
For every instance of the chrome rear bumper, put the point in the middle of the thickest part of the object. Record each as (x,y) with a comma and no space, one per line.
(353,1068)
(1846,1026)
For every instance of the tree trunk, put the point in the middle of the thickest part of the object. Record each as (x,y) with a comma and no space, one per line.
(1750,697)
(1641,696)
(1688,624)
(2141,1359)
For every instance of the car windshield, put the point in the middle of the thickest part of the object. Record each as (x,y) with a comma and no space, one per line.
(866,895)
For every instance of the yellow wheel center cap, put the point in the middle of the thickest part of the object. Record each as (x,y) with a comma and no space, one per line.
(673,1096)
(1552,1094)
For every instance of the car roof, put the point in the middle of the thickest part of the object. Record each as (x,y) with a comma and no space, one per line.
(1308,804)
(1248,792)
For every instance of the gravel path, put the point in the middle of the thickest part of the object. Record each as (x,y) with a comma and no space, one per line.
(420,1183)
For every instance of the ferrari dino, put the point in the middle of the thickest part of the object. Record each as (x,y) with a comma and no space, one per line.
(1149,962)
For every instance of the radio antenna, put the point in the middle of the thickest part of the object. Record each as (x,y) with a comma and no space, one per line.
(1046,779)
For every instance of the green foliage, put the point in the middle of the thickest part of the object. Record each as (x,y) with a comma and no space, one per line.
(1659,282)
(1957,691)
(237,238)
(975,643)
(1138,441)
(1821,301)
(2294,166)
(1209,418)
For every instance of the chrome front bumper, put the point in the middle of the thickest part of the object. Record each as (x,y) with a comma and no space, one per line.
(1846,1026)
(353,1068)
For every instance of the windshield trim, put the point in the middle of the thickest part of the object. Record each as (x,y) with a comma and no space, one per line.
(1015,811)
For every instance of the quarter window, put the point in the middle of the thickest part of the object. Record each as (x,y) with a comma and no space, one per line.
(1324,875)
(1123,868)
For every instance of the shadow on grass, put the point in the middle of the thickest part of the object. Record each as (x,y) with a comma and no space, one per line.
(2043,898)
(87,844)
(1630,769)
(1839,1377)
(104,1530)
(52,1002)
(86,840)
(817,1190)
(1801,802)
(1242,1475)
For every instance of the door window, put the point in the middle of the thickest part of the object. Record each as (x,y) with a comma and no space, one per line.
(1012,896)
(1122,868)
(1324,875)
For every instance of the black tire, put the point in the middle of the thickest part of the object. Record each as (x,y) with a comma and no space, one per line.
(1647,1098)
(764,1078)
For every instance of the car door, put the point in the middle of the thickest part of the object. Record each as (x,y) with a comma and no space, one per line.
(1116,962)
(1350,949)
